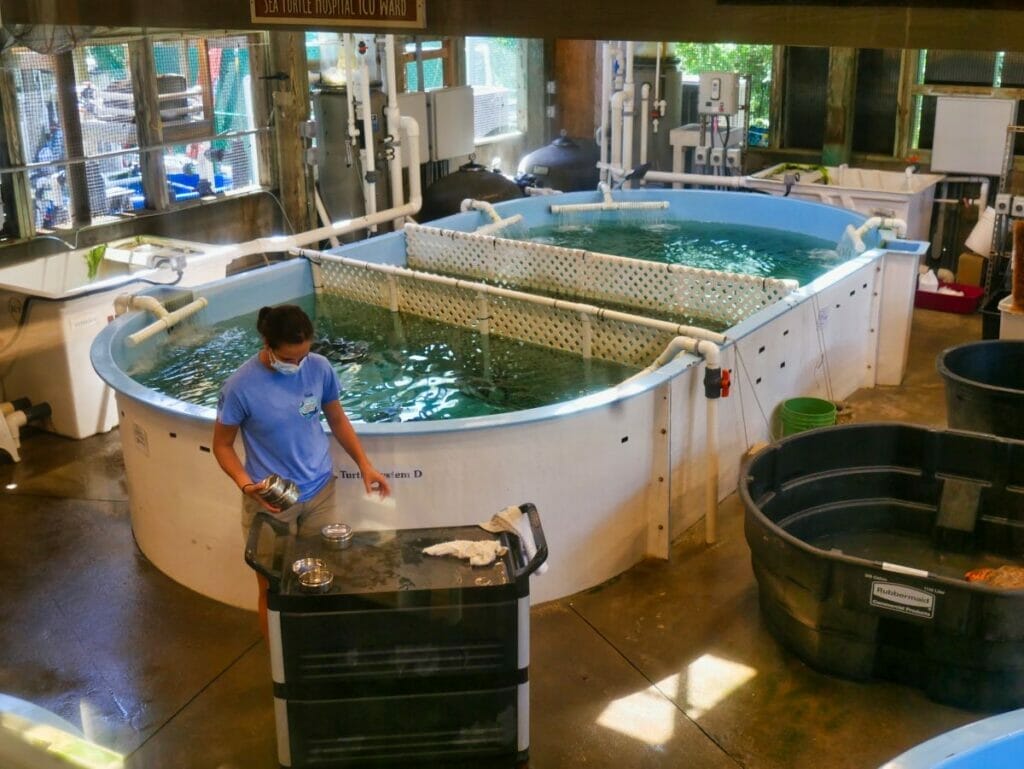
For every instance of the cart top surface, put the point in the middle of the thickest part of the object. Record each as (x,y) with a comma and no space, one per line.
(393,561)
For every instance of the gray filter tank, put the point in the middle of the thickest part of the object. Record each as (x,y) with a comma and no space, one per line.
(566,165)
(444,197)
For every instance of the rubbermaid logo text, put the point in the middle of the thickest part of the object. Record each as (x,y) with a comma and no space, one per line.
(902,598)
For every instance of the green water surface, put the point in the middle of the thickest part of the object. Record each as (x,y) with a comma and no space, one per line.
(393,367)
(736,248)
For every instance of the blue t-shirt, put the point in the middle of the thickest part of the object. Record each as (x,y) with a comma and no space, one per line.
(279,418)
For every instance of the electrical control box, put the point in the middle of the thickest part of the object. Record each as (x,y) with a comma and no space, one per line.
(718,93)
(1003,202)
(1017,207)
(700,156)
(734,157)
(717,157)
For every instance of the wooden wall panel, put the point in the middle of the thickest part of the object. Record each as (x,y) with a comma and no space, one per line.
(577,86)
(692,20)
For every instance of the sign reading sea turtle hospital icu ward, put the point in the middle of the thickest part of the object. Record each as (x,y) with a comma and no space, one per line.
(340,13)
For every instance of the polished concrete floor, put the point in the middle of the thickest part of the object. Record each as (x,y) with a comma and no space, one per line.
(668,665)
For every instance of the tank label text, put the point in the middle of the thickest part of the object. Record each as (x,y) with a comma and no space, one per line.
(902,598)
(340,13)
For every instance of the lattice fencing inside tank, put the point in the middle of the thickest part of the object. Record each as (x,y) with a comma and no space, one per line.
(512,316)
(723,297)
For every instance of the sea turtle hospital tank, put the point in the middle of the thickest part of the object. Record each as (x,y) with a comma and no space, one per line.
(522,372)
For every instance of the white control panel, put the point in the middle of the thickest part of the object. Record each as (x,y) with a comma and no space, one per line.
(718,93)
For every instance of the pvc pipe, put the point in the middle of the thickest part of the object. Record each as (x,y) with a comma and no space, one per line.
(739,182)
(349,87)
(606,89)
(617,99)
(608,204)
(493,227)
(982,200)
(367,152)
(284,243)
(645,120)
(658,51)
(628,111)
(676,329)
(140,302)
(469,204)
(712,355)
(884,223)
(165,321)
(393,115)
(322,212)
(496,223)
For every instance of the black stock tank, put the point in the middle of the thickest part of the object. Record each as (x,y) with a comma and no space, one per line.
(985,387)
(864,539)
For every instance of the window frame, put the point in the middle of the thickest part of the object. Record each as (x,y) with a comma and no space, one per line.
(19,200)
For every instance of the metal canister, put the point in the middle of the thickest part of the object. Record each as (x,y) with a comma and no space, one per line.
(336,536)
(279,492)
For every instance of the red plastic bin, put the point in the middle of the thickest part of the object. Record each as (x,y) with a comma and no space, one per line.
(968,303)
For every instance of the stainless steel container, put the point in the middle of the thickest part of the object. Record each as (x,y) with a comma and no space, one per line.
(336,536)
(279,492)
(313,575)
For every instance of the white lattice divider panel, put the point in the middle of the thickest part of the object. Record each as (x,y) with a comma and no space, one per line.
(720,296)
(448,304)
(513,317)
(358,283)
(627,342)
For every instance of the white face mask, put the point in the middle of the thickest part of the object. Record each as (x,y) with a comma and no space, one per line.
(282,367)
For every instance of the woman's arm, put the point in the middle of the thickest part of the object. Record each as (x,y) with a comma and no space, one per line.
(343,431)
(227,458)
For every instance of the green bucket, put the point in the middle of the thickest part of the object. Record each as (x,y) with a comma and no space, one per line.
(799,414)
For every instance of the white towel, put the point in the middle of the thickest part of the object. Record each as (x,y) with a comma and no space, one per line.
(480,553)
(512,520)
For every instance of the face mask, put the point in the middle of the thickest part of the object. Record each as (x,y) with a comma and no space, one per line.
(282,367)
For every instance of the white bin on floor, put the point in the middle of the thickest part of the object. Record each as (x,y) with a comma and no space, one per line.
(54,311)
(1011,321)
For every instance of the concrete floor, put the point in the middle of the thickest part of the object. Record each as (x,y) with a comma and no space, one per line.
(667,665)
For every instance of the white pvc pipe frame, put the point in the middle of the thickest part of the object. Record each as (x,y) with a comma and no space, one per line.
(496,223)
(692,339)
(282,243)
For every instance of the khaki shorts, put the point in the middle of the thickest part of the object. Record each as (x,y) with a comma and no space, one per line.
(303,518)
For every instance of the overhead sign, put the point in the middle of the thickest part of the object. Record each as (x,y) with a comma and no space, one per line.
(992,5)
(340,13)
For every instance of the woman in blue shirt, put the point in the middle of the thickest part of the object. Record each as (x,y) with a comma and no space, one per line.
(275,400)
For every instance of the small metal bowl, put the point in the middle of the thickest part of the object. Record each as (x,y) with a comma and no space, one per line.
(336,536)
(316,580)
(304,565)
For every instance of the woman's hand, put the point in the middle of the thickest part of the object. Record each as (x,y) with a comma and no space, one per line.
(253,490)
(374,482)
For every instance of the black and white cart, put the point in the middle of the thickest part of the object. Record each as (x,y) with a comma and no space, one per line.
(404,657)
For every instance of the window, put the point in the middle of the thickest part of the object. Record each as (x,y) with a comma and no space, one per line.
(209,131)
(425,66)
(42,137)
(806,83)
(496,68)
(875,105)
(106,109)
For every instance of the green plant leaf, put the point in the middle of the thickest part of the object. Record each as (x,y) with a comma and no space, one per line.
(93,257)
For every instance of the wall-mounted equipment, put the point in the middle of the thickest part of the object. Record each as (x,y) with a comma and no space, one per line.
(970,134)
(451,122)
(718,93)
